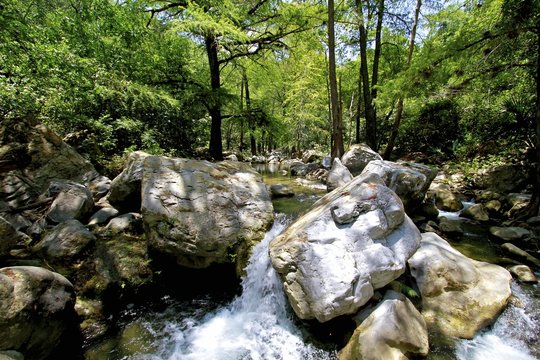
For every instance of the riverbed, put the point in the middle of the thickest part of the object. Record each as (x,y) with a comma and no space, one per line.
(256,322)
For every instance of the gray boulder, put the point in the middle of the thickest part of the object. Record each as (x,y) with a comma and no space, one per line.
(503,178)
(445,198)
(459,295)
(72,201)
(510,233)
(65,241)
(354,240)
(392,330)
(102,216)
(339,175)
(520,254)
(409,181)
(312,156)
(125,191)
(523,273)
(477,212)
(281,190)
(99,187)
(203,213)
(357,157)
(36,311)
(124,223)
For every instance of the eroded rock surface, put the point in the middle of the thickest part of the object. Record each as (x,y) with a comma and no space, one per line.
(203,213)
(354,240)
(459,295)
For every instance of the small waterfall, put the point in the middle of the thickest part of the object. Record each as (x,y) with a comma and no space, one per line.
(256,325)
(515,335)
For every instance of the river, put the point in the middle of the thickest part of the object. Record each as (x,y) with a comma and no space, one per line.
(258,324)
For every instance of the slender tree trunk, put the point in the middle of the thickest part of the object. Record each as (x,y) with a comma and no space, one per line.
(399,111)
(337,126)
(371,120)
(377,52)
(359,107)
(242,115)
(535,201)
(251,121)
(216,146)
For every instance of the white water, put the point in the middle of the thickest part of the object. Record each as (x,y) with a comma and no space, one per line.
(511,337)
(257,324)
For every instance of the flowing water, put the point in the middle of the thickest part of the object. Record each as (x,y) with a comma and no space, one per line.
(259,324)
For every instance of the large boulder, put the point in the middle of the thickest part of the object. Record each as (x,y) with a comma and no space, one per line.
(354,240)
(477,212)
(504,178)
(281,190)
(357,157)
(36,311)
(459,295)
(66,241)
(409,181)
(125,189)
(203,213)
(445,199)
(312,156)
(391,331)
(338,176)
(72,201)
(48,157)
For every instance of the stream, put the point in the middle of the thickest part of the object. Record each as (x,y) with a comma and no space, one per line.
(258,324)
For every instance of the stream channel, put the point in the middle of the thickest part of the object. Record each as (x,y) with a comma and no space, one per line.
(255,322)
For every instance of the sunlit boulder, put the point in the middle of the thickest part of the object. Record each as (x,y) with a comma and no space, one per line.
(203,213)
(354,240)
(459,295)
(392,330)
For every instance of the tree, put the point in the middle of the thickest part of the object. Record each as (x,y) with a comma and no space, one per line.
(337,124)
(399,111)
(231,31)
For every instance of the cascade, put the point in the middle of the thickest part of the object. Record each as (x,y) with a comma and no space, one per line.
(258,324)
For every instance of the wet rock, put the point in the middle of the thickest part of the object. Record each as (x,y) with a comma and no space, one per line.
(231,157)
(523,273)
(125,191)
(11,355)
(429,210)
(408,180)
(281,190)
(72,201)
(493,207)
(459,295)
(449,226)
(36,311)
(203,213)
(392,330)
(520,254)
(357,157)
(445,199)
(338,176)
(509,234)
(354,240)
(477,212)
(65,241)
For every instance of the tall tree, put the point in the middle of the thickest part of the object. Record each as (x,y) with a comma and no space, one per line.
(399,110)
(364,82)
(231,31)
(337,123)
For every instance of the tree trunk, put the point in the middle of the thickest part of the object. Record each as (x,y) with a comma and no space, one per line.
(242,115)
(377,52)
(399,111)
(251,121)
(535,201)
(337,126)
(371,120)
(216,147)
